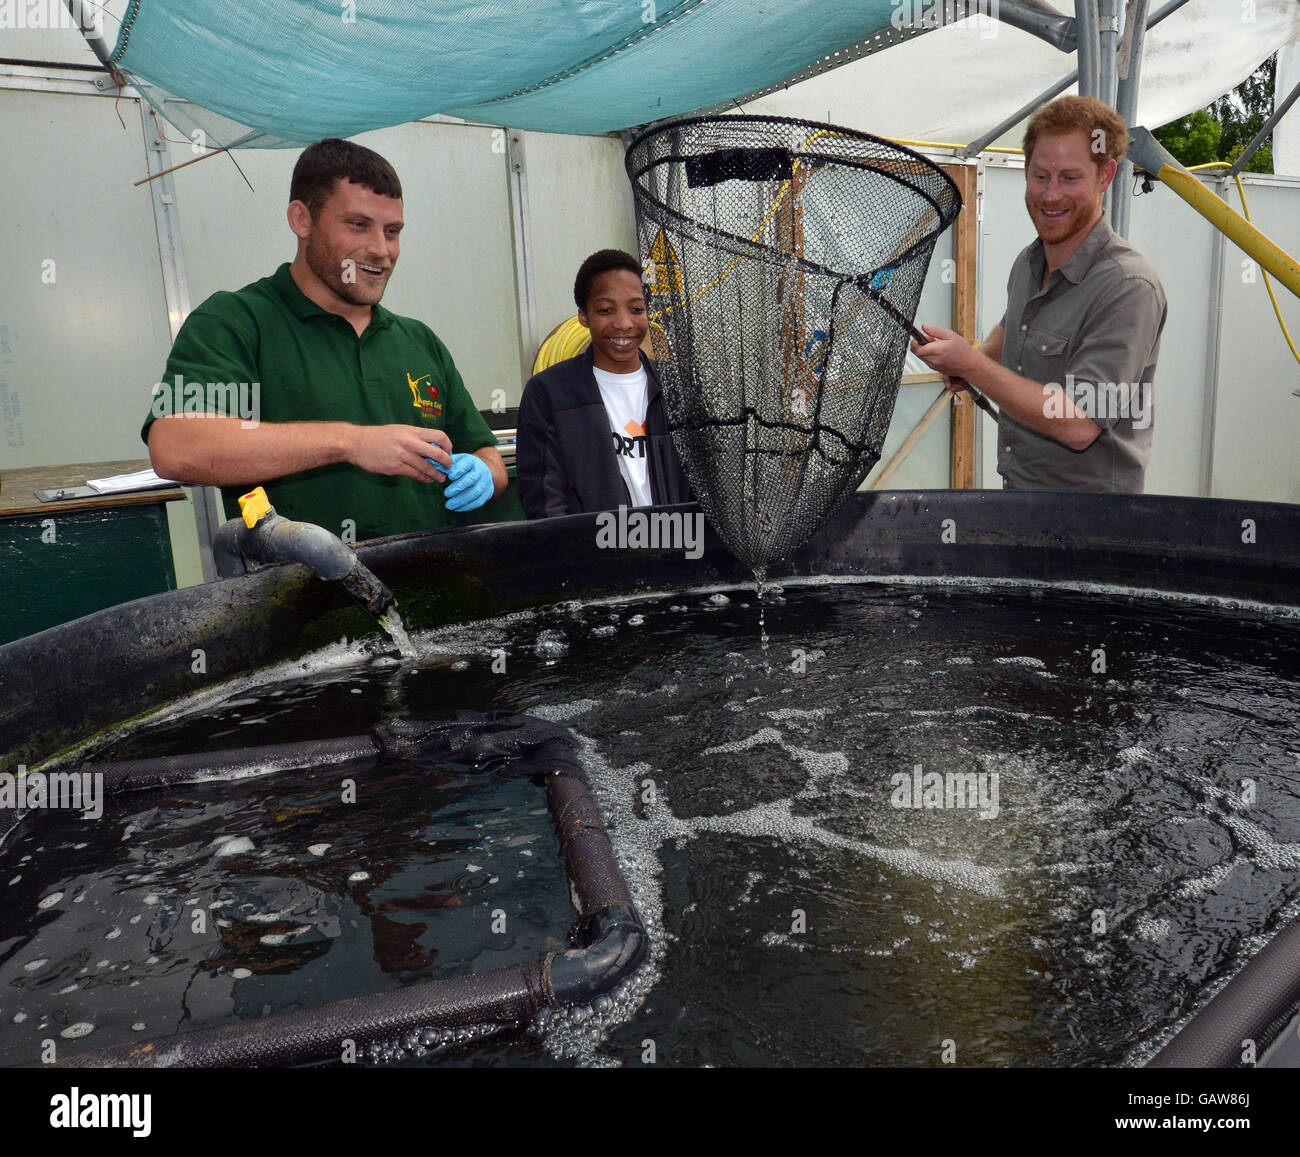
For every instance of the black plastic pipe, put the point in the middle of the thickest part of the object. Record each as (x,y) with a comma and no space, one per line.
(1253,1006)
(609,939)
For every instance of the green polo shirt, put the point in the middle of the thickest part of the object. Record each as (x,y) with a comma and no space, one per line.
(269,351)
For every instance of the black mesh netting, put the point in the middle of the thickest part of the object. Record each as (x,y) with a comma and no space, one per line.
(784,261)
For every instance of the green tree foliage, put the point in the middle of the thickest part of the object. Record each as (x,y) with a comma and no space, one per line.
(1221,131)
(1194,139)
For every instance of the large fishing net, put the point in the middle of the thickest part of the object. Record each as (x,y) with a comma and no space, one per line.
(784,261)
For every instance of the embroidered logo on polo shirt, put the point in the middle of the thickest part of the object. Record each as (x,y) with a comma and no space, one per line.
(430,407)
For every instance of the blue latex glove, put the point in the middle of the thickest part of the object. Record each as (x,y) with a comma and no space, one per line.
(469,482)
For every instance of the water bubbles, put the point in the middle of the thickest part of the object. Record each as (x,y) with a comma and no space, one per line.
(80,1029)
(241,973)
(358,877)
(551,646)
(50,900)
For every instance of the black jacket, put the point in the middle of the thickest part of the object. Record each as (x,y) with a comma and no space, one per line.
(564,461)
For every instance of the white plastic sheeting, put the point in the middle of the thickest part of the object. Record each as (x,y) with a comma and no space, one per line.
(957,82)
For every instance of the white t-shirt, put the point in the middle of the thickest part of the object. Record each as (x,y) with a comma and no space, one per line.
(624,396)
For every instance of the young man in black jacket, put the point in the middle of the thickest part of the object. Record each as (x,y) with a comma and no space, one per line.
(606,399)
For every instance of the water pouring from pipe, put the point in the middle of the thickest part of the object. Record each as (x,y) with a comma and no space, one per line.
(261,537)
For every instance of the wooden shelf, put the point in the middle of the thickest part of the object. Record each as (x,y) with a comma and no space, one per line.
(18,488)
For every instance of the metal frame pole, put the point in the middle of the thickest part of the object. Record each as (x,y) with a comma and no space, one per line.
(1213,328)
(1108,30)
(102,49)
(1126,97)
(1278,113)
(521,228)
(1085,12)
(978,145)
(207,506)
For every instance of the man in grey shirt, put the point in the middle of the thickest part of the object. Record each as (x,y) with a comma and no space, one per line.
(1072,363)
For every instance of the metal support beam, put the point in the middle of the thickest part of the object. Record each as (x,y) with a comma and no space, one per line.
(1250,150)
(1107,49)
(1085,12)
(1047,24)
(980,143)
(1213,326)
(1126,97)
(207,503)
(1059,87)
(98,44)
(1108,30)
(521,229)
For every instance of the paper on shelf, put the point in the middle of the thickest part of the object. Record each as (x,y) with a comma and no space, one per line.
(120,483)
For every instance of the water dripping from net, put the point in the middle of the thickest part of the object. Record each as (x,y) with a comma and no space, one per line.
(760,593)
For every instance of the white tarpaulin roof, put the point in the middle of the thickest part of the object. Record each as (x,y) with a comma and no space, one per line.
(956,83)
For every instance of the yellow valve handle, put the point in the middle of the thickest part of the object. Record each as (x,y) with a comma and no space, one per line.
(254,506)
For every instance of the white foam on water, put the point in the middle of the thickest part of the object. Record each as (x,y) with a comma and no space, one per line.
(33,965)
(783,940)
(50,900)
(785,714)
(241,973)
(975,709)
(1206,881)
(232,846)
(80,1029)
(1019,660)
(1265,851)
(1152,928)
(319,849)
(561,712)
(358,877)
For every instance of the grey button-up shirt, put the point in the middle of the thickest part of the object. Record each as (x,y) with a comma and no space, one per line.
(1092,332)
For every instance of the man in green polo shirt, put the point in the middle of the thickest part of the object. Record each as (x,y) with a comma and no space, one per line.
(352,417)
(1072,363)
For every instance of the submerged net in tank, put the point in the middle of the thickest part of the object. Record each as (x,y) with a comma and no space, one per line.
(784,262)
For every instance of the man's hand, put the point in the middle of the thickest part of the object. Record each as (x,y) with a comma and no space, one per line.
(208,450)
(410,451)
(960,364)
(949,354)
(469,483)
